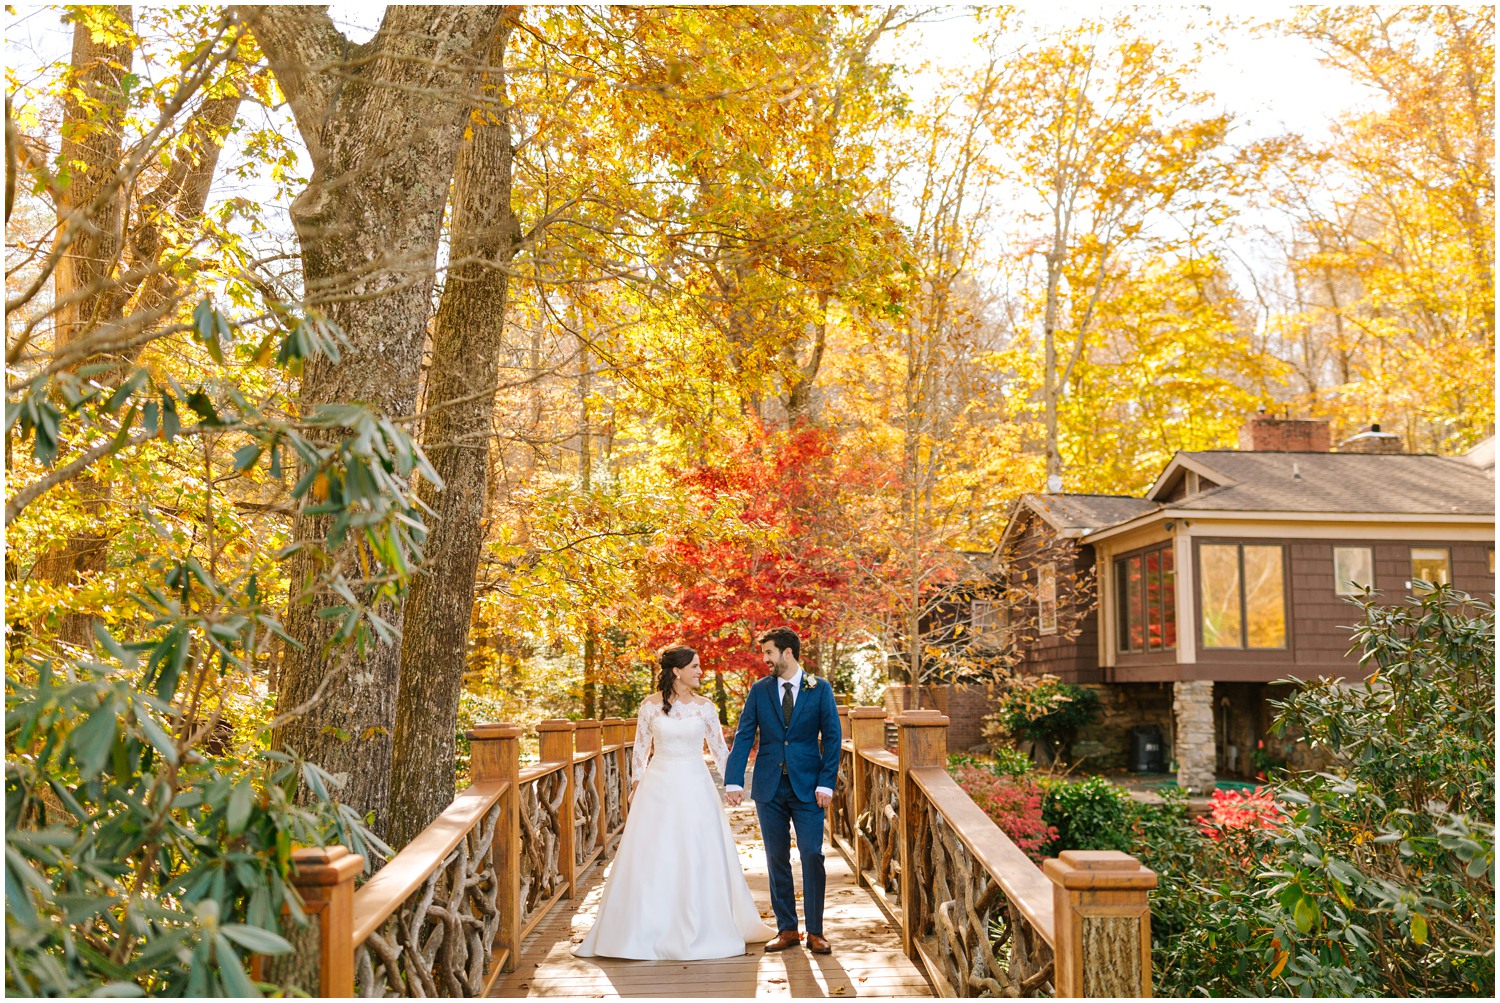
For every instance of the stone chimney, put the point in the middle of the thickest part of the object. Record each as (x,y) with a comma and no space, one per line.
(1372,441)
(1265,434)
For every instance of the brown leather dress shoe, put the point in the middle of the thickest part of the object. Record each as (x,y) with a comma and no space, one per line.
(817,944)
(783,940)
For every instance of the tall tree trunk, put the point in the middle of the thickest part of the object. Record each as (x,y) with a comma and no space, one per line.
(383,123)
(88,286)
(93,124)
(466,344)
(586,479)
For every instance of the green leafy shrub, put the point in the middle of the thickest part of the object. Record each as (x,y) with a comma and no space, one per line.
(1381,880)
(145,852)
(1009,762)
(1042,709)
(1091,814)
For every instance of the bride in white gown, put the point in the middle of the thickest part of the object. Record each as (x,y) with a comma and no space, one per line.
(675,891)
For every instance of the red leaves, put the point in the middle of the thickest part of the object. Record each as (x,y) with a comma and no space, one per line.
(1015,805)
(1233,811)
(784,567)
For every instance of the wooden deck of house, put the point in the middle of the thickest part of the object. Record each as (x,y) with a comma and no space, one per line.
(867,959)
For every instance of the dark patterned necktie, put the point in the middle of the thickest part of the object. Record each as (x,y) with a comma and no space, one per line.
(786,704)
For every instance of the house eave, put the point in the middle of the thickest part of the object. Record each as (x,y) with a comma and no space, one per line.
(1233,515)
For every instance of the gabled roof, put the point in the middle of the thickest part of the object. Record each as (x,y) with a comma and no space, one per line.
(1269,482)
(1371,483)
(1074,515)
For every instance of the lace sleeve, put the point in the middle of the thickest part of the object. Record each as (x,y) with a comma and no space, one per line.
(640,755)
(715,735)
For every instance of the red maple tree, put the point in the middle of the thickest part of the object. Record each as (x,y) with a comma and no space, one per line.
(791,566)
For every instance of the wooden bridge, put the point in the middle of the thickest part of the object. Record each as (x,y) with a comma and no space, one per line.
(926,896)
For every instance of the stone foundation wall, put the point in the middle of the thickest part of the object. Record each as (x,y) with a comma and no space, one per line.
(965,705)
(1105,745)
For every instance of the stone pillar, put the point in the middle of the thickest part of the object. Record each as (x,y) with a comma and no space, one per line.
(1193,744)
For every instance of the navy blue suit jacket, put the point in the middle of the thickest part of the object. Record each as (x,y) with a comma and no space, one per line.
(810,747)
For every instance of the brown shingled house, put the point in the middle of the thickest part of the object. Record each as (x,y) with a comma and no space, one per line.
(1231,573)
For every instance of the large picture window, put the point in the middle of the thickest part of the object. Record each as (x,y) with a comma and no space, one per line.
(1243,595)
(1146,597)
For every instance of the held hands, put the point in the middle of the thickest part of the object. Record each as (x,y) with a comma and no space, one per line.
(734,798)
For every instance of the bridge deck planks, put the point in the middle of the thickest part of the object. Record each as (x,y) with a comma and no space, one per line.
(866,961)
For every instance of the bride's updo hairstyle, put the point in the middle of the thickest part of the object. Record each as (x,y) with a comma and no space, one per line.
(678,656)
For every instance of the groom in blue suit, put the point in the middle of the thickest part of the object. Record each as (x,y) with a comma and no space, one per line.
(797,721)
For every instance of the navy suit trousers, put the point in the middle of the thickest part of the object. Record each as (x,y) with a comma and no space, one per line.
(778,817)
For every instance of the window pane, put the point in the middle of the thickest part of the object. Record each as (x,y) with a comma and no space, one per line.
(1137,626)
(1354,565)
(1430,564)
(1168,600)
(1265,602)
(1153,600)
(1047,599)
(1220,592)
(1122,604)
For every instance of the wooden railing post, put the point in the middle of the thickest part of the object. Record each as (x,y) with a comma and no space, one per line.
(586,738)
(324,876)
(1103,923)
(555,745)
(866,731)
(922,740)
(495,755)
(844,734)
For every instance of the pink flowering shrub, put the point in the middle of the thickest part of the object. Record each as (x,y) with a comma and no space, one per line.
(1240,811)
(1015,805)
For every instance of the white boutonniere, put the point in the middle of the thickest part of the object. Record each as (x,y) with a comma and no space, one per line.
(809,682)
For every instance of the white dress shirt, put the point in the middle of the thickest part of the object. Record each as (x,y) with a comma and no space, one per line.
(796,681)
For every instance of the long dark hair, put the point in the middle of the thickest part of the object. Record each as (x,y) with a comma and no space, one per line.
(678,656)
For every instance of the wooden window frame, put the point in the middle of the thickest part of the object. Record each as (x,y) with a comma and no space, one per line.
(1286,592)
(1168,550)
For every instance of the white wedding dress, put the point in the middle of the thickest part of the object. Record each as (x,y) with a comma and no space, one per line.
(675,890)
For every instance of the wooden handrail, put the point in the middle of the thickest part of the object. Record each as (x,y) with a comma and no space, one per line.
(383,894)
(472,856)
(881,758)
(538,770)
(1022,881)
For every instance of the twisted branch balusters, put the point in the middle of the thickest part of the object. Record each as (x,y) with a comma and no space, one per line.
(438,942)
(978,938)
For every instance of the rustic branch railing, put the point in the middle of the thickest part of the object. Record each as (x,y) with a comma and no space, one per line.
(973,910)
(447,915)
